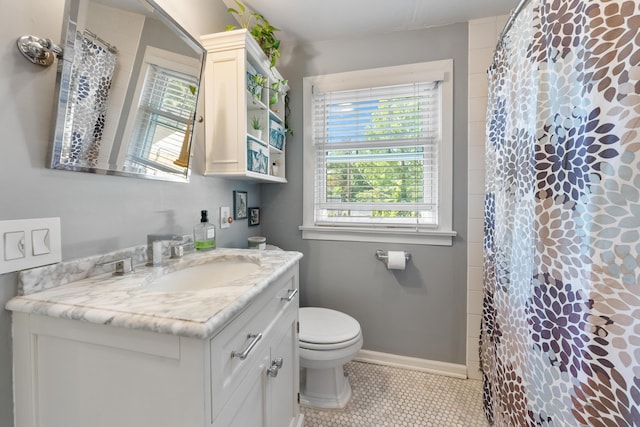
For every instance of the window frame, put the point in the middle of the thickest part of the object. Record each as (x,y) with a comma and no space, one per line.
(168,60)
(442,234)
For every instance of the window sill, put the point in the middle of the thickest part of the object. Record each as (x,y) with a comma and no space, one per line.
(426,237)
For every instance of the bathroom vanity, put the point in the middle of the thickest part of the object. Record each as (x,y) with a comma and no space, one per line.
(125,351)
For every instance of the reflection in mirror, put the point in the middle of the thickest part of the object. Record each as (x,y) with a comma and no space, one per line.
(128,86)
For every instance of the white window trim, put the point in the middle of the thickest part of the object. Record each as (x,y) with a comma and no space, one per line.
(426,71)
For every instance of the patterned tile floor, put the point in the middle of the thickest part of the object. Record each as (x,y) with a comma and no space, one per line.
(385,396)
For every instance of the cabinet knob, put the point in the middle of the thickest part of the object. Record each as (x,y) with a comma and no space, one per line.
(276,364)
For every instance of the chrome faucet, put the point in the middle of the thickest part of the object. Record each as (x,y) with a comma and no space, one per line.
(122,265)
(154,242)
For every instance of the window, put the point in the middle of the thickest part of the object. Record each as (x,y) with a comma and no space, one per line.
(378,155)
(159,128)
(164,112)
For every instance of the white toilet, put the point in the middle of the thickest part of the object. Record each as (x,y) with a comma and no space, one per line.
(328,339)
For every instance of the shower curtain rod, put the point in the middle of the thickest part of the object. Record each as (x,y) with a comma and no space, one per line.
(511,19)
(507,27)
(111,48)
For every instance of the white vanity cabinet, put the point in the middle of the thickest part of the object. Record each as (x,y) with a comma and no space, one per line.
(232,149)
(75,373)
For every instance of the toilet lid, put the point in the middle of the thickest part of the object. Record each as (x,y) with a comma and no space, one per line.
(326,326)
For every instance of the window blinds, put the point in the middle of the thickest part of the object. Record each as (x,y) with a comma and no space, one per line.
(164,110)
(376,156)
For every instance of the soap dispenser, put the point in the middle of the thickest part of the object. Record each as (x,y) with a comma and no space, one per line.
(204,234)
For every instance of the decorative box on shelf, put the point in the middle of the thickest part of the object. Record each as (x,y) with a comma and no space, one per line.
(257,156)
(276,135)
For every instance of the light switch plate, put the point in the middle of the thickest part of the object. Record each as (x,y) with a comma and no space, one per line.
(225,214)
(40,241)
(13,245)
(28,243)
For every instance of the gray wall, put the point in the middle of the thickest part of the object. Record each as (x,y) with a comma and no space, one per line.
(98,213)
(419,312)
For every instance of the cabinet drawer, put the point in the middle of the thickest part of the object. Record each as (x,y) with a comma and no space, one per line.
(227,369)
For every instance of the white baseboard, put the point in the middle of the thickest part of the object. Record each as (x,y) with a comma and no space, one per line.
(431,366)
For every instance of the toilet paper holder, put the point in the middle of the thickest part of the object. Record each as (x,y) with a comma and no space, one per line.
(382,256)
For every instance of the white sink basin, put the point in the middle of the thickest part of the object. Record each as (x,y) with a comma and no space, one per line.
(214,274)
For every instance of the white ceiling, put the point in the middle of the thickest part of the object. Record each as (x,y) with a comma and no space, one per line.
(314,20)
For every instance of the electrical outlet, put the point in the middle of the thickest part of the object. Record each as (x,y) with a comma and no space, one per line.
(225,217)
(28,243)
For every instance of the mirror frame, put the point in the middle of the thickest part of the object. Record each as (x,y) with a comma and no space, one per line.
(63,89)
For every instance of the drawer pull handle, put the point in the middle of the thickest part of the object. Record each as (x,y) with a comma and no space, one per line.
(243,355)
(292,293)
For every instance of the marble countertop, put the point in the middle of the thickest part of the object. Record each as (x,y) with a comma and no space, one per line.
(128,301)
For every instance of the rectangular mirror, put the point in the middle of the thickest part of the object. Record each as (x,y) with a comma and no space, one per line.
(127,87)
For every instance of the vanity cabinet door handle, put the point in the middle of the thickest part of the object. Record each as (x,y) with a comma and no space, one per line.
(292,293)
(276,364)
(244,353)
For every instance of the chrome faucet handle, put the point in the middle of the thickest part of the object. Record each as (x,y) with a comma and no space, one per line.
(177,250)
(154,242)
(122,266)
(155,237)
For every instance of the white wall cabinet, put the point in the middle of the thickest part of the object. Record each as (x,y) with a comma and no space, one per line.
(72,373)
(232,149)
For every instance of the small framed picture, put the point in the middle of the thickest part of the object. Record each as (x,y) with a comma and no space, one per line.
(254,216)
(239,205)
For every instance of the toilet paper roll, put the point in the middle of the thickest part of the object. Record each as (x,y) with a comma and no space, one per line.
(396,260)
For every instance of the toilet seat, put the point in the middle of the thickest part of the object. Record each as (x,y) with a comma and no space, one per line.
(326,329)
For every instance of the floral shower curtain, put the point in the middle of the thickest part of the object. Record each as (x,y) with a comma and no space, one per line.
(91,81)
(560,339)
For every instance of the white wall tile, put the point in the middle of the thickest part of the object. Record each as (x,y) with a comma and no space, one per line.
(473,344)
(482,34)
(476,206)
(474,302)
(476,157)
(476,181)
(475,278)
(501,21)
(478,85)
(477,133)
(481,21)
(480,59)
(473,325)
(478,109)
(473,373)
(475,254)
(476,230)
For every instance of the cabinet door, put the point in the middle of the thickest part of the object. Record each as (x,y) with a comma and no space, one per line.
(283,389)
(248,406)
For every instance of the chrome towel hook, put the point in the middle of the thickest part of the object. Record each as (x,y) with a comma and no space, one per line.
(38,50)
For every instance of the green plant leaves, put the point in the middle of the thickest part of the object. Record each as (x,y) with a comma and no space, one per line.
(262,31)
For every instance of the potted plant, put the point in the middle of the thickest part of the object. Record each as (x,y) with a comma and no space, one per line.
(261,30)
(264,33)
(256,126)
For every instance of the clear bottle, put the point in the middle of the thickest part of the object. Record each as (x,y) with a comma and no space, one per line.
(204,234)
